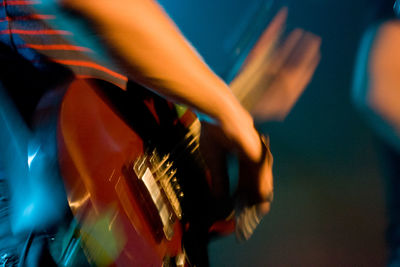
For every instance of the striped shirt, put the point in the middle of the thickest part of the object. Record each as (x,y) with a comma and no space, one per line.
(32,36)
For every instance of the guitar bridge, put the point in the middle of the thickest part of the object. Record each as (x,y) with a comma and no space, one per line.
(162,168)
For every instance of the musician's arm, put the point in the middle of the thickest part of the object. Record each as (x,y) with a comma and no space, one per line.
(134,30)
(376,86)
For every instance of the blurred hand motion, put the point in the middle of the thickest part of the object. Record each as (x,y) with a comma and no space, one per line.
(254,192)
(277,70)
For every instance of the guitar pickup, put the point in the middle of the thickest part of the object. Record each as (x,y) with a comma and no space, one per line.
(150,179)
(158,199)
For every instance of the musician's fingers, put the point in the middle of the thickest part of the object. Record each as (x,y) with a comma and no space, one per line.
(286,49)
(268,38)
(305,51)
(282,94)
(308,74)
(273,30)
(293,85)
(298,77)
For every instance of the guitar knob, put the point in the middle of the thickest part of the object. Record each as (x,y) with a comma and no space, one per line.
(177,261)
(180,259)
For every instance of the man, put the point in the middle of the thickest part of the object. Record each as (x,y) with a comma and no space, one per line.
(147,48)
(376,93)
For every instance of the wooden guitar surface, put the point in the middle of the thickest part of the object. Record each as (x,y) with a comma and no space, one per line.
(97,150)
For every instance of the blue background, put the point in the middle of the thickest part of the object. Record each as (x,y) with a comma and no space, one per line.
(329,205)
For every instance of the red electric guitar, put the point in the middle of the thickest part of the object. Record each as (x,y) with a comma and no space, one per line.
(135,180)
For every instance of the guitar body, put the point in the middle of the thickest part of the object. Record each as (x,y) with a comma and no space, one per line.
(127,195)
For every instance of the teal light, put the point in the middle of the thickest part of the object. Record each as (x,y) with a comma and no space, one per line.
(396,8)
(32,156)
(28,210)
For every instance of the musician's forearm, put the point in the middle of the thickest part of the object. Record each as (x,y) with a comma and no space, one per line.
(133,30)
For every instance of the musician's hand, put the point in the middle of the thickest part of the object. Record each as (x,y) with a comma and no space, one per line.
(255,174)
(256,185)
(275,74)
(288,73)
(252,73)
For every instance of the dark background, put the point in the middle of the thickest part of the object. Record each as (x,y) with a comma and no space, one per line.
(329,208)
